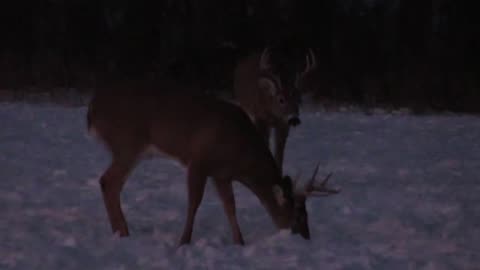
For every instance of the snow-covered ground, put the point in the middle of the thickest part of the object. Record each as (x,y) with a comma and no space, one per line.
(410,198)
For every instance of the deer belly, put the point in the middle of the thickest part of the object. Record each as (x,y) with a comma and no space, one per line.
(152,152)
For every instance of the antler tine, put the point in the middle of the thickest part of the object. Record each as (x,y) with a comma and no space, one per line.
(312,58)
(325,181)
(310,187)
(307,64)
(264,59)
(322,189)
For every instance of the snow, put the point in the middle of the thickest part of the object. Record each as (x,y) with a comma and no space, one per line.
(409,198)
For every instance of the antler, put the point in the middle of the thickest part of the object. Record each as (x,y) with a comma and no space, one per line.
(265,59)
(320,190)
(310,61)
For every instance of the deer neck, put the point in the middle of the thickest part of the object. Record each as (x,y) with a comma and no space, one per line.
(264,186)
(280,214)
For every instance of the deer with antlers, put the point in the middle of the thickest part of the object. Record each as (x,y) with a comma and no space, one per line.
(211,138)
(271,96)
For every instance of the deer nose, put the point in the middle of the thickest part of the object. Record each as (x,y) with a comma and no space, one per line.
(303,230)
(294,121)
(306,234)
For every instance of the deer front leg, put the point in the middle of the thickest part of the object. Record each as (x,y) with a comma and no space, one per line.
(225,192)
(196,181)
(111,183)
(281,135)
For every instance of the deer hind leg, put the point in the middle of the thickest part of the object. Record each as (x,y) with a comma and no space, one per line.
(111,183)
(281,134)
(225,192)
(196,181)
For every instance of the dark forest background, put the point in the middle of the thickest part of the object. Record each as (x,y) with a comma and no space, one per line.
(418,53)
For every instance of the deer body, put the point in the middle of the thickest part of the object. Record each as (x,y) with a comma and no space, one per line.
(271,98)
(210,137)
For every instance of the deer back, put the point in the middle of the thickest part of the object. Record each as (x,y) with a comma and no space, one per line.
(181,125)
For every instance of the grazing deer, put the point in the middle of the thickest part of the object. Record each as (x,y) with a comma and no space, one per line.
(211,138)
(271,97)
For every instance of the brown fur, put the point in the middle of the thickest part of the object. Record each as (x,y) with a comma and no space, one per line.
(212,138)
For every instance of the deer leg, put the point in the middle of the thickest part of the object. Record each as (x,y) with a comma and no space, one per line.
(111,183)
(281,134)
(196,181)
(225,192)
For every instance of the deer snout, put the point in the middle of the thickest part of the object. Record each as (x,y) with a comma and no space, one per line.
(294,121)
(301,227)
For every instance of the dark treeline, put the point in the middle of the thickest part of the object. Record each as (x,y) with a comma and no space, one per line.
(423,54)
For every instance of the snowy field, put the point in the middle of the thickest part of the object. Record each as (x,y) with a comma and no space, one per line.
(410,198)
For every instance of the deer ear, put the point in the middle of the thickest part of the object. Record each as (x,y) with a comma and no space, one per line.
(267,84)
(279,196)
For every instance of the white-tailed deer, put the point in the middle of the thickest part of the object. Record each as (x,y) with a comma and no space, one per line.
(212,138)
(271,97)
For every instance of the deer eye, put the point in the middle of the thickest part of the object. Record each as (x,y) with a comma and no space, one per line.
(281,100)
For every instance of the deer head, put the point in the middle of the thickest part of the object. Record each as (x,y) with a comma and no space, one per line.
(283,89)
(293,197)
(281,99)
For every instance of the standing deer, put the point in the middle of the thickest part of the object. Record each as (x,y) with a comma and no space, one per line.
(271,97)
(211,138)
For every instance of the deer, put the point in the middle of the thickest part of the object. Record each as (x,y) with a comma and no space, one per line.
(270,96)
(212,138)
